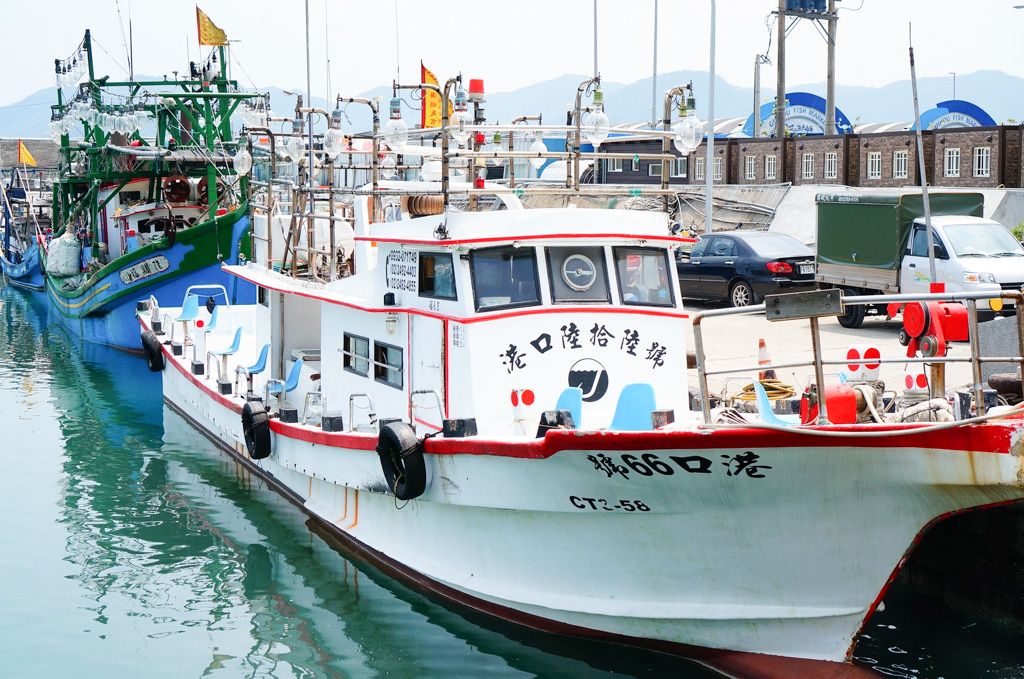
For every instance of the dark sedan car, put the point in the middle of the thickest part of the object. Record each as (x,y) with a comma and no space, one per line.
(744,266)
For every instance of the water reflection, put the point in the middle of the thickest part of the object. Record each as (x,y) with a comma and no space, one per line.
(174,561)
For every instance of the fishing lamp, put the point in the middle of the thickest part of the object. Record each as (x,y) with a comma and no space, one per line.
(689,131)
(596,127)
(242,161)
(396,132)
(334,140)
(296,144)
(388,167)
(460,119)
(538,147)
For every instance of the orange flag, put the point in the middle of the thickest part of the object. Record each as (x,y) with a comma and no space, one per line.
(209,34)
(24,157)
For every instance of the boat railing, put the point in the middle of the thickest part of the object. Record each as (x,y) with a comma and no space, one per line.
(352,410)
(431,392)
(811,306)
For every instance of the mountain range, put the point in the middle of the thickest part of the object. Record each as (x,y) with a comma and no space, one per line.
(998,93)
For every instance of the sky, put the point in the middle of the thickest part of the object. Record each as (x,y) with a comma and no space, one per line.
(357,46)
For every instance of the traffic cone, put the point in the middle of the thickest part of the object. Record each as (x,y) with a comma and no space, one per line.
(762,359)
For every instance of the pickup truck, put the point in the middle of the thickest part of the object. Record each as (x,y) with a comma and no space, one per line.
(878,244)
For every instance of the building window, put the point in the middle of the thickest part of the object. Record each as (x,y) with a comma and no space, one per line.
(750,167)
(698,170)
(875,165)
(718,169)
(769,167)
(636,164)
(952,164)
(356,354)
(387,364)
(437,275)
(831,165)
(982,159)
(614,164)
(807,166)
(899,164)
(654,170)
(678,167)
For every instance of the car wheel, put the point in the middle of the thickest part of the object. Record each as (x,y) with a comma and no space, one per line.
(741,295)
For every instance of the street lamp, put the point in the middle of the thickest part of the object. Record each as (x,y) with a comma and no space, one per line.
(953,73)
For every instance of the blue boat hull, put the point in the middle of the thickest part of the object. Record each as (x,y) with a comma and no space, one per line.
(104,313)
(26,274)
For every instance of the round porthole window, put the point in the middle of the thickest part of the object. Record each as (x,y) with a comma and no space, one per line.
(578,272)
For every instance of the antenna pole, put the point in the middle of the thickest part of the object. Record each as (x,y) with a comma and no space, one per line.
(595,39)
(920,164)
(654,74)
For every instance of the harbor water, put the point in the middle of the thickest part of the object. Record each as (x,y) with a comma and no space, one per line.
(132,547)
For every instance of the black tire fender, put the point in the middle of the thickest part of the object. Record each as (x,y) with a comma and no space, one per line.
(256,429)
(152,350)
(401,459)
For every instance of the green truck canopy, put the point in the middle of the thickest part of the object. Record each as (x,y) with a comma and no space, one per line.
(871,230)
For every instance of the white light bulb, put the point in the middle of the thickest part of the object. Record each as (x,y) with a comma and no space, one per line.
(387,168)
(396,134)
(595,128)
(538,147)
(688,133)
(457,126)
(242,161)
(334,142)
(295,147)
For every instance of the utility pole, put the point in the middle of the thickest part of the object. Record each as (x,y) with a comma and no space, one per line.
(830,86)
(780,87)
(758,60)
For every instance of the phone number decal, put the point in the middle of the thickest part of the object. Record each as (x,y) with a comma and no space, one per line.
(600,503)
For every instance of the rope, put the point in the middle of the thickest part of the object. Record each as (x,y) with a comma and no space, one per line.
(776,389)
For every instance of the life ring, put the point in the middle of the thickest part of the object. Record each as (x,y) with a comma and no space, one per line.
(176,188)
(151,348)
(256,429)
(401,459)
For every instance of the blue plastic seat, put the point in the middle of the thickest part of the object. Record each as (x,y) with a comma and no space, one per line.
(189,311)
(259,366)
(765,411)
(225,352)
(571,399)
(634,408)
(281,388)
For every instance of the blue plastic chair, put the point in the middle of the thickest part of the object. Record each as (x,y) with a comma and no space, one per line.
(633,411)
(767,414)
(189,311)
(280,388)
(571,399)
(259,366)
(225,352)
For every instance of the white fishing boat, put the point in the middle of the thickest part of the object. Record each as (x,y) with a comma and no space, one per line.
(493,405)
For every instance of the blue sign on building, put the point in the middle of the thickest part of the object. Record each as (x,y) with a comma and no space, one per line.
(805,114)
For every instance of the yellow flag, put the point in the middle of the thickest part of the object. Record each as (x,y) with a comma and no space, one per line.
(209,34)
(431,115)
(24,157)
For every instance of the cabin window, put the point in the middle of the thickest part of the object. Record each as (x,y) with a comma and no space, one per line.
(678,167)
(636,164)
(654,170)
(263,296)
(504,277)
(614,164)
(437,275)
(356,352)
(644,276)
(899,164)
(982,160)
(577,274)
(387,364)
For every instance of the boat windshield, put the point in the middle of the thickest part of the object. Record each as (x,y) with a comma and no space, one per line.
(643,276)
(504,277)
